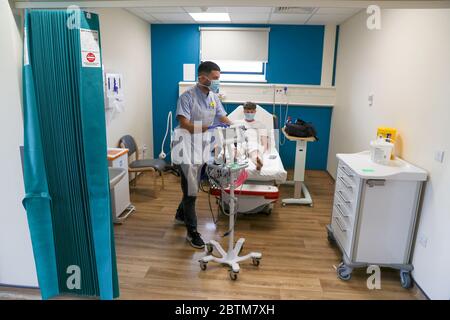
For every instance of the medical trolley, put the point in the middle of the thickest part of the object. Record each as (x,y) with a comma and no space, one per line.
(374,213)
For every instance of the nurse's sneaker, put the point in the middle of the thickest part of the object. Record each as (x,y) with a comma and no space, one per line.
(195,239)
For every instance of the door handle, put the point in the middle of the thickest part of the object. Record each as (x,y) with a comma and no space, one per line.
(375,182)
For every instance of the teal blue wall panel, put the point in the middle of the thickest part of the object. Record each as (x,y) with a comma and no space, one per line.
(295,54)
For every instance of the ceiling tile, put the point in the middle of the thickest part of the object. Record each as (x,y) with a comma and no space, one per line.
(246,10)
(173,17)
(141,14)
(208,9)
(250,18)
(163,10)
(338,11)
(289,18)
(328,19)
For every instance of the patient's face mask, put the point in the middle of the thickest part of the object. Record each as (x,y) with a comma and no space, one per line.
(249,116)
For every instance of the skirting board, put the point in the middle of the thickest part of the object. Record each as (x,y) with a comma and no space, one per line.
(264,93)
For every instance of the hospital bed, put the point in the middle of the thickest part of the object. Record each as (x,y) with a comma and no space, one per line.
(260,190)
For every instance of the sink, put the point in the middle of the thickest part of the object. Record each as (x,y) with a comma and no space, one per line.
(115,175)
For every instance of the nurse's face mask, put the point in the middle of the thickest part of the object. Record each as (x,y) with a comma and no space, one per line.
(211,84)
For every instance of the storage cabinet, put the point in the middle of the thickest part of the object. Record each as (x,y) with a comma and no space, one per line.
(374,213)
(120,194)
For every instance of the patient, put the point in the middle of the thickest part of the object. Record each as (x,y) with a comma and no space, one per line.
(256,134)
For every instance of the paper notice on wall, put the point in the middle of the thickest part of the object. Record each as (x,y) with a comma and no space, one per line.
(26,60)
(188,72)
(90,48)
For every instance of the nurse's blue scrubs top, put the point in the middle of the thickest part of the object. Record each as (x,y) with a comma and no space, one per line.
(196,105)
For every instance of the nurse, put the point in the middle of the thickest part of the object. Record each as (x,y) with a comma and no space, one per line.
(198,108)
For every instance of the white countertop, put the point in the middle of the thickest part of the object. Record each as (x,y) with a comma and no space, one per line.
(397,169)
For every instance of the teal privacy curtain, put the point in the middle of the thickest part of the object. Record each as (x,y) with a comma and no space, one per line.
(65,167)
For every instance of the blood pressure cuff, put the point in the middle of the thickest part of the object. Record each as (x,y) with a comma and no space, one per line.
(301,129)
(65,167)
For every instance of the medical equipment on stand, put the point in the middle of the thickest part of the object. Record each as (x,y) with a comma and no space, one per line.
(224,173)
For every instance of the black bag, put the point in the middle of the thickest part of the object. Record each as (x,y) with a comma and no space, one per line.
(301,129)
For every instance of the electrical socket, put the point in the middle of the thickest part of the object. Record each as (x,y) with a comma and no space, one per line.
(144,151)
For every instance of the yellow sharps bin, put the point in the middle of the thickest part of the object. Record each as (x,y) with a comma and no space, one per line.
(388,133)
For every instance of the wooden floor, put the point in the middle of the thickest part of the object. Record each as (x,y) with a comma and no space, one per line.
(155,261)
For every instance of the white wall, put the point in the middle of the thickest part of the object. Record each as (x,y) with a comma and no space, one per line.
(406,65)
(125,41)
(16,256)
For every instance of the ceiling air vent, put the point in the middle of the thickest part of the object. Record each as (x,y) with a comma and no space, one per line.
(298,10)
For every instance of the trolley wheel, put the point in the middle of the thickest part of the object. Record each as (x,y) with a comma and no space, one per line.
(209,248)
(203,265)
(311,205)
(283,204)
(344,272)
(256,261)
(405,279)
(330,237)
(233,275)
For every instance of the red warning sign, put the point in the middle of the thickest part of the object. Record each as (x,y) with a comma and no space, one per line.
(90,57)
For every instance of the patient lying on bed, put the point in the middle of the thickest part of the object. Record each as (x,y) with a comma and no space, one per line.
(257,135)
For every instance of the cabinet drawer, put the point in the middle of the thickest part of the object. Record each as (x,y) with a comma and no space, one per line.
(346,182)
(348,173)
(348,201)
(345,215)
(341,232)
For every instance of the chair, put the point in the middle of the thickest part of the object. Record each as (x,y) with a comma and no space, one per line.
(141,165)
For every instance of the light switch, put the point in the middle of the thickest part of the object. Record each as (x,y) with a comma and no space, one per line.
(439,156)
(370,100)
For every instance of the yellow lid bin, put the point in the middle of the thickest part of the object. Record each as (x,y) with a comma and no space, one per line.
(388,133)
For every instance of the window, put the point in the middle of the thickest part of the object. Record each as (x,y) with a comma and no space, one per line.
(241,53)
(242,71)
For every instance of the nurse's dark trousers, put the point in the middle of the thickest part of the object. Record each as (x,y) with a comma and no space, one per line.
(186,208)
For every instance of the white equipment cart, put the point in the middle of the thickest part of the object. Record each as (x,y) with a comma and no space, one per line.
(374,213)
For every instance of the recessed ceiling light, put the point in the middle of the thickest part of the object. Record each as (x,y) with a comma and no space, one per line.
(210,17)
